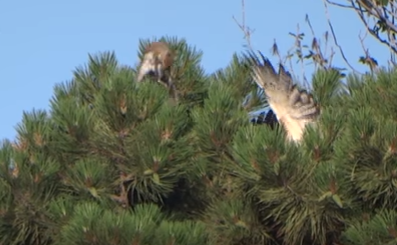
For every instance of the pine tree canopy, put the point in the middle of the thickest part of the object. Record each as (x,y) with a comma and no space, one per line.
(114,161)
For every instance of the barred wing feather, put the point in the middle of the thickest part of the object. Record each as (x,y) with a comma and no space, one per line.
(294,109)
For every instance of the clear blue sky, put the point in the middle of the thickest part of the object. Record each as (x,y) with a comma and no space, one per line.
(41,42)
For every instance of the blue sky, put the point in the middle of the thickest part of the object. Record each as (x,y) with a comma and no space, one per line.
(43,41)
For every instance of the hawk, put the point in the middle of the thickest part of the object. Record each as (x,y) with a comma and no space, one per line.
(294,108)
(266,117)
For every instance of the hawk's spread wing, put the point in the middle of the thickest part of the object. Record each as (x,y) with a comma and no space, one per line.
(294,109)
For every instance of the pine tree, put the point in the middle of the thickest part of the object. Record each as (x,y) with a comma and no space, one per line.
(118,162)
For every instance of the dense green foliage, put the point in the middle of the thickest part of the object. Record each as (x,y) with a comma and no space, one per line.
(116,162)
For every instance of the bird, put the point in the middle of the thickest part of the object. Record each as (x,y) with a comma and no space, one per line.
(267,118)
(157,61)
(295,109)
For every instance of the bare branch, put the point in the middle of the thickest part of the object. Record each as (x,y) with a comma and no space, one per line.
(372,31)
(275,50)
(339,4)
(243,27)
(335,39)
(375,11)
(316,46)
(367,59)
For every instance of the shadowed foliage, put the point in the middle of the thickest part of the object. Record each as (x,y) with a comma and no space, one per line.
(116,162)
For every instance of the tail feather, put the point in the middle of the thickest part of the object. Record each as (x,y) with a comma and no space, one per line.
(294,109)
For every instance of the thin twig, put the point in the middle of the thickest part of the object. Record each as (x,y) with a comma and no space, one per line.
(275,51)
(316,45)
(366,52)
(298,44)
(243,27)
(335,39)
(360,13)
(339,4)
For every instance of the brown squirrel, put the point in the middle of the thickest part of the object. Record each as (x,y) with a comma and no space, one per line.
(157,61)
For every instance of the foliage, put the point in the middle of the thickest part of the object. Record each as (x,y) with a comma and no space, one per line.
(116,162)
